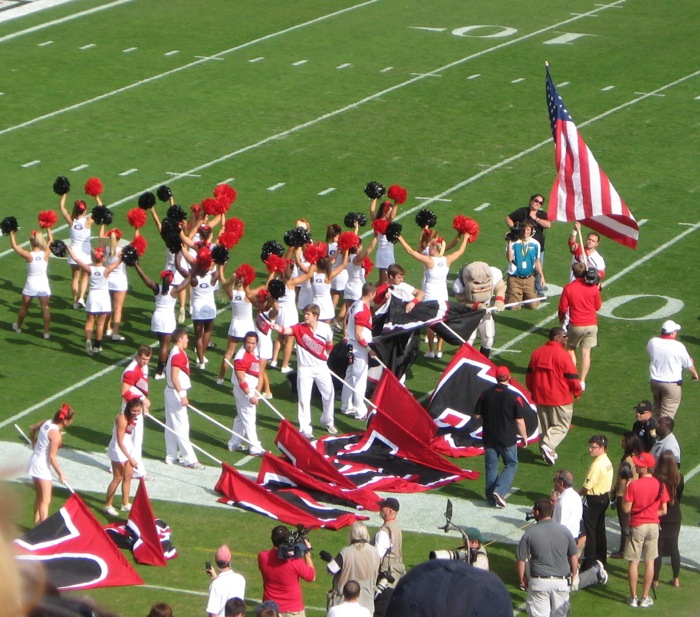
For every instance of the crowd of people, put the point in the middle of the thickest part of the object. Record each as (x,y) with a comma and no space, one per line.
(328,286)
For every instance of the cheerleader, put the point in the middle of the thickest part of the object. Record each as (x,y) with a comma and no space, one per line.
(356,273)
(437,266)
(46,439)
(79,224)
(99,305)
(321,282)
(163,320)
(121,453)
(37,283)
(117,284)
(339,282)
(264,320)
(385,249)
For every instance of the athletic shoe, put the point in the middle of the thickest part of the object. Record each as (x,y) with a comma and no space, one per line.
(285,370)
(16,328)
(273,364)
(429,354)
(205,359)
(111,511)
(98,349)
(47,336)
(219,381)
(500,502)
(211,345)
(181,315)
(195,466)
(126,508)
(168,461)
(267,395)
(118,338)
(438,354)
(108,332)
(632,602)
(159,376)
(88,347)
(76,306)
(81,303)
(331,429)
(201,365)
(308,436)
(239,448)
(646,602)
(601,572)
(548,454)
(348,412)
(256,452)
(361,417)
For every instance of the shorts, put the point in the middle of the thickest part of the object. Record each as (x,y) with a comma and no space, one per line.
(643,543)
(581,336)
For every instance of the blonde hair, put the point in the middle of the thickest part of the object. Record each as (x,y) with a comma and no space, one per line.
(37,240)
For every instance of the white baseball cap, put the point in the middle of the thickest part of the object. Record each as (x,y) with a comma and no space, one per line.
(670,326)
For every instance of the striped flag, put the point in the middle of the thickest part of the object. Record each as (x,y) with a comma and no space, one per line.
(582,192)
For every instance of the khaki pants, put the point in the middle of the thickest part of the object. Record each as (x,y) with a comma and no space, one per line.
(667,398)
(519,289)
(554,422)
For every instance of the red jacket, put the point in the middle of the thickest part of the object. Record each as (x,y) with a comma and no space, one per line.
(582,301)
(551,376)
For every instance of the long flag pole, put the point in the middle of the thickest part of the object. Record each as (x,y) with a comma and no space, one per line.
(195,446)
(217,423)
(261,397)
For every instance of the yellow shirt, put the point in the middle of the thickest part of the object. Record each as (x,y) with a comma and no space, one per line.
(600,476)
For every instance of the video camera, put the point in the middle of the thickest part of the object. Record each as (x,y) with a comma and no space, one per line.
(295,546)
(591,277)
(515,233)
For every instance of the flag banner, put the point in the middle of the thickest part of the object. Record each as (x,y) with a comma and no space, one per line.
(292,506)
(582,192)
(147,547)
(454,399)
(125,538)
(276,473)
(75,551)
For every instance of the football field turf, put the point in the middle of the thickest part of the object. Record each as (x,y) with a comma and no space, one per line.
(298,104)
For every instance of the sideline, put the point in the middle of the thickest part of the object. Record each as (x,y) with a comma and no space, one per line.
(42,5)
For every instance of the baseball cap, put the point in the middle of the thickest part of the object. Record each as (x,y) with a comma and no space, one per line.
(645,459)
(390,503)
(445,588)
(267,604)
(223,554)
(669,326)
(642,407)
(502,372)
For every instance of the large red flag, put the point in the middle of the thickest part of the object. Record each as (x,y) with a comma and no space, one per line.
(147,548)
(75,551)
(582,191)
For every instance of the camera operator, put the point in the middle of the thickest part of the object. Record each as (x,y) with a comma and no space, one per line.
(389,541)
(225,585)
(281,576)
(523,263)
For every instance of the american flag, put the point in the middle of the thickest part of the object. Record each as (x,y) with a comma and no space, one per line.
(582,192)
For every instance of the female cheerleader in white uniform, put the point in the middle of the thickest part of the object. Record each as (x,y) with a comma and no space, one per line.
(118,285)
(385,249)
(80,225)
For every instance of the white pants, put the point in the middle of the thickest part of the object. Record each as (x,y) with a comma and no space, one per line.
(244,422)
(307,376)
(548,597)
(176,418)
(356,376)
(486,330)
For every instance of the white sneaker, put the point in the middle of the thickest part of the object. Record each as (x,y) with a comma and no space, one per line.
(117,337)
(239,448)
(108,332)
(285,370)
(168,461)
(438,354)
(331,429)
(88,347)
(361,417)
(601,572)
(159,376)
(256,452)
(219,381)
(16,328)
(47,336)
(111,511)
(273,364)
(126,508)
(632,602)
(429,354)
(76,306)
(267,396)
(195,466)
(645,602)
(201,365)
(181,315)
(81,303)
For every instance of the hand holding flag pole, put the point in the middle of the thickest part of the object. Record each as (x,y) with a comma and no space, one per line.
(261,397)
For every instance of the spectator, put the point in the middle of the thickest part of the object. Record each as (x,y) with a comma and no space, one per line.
(668,359)
(626,472)
(225,585)
(267,609)
(645,426)
(568,510)
(666,440)
(161,610)
(234,607)
(281,576)
(523,266)
(645,500)
(551,378)
(389,540)
(351,606)
(667,472)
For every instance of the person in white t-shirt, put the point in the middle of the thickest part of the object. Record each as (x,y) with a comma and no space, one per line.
(225,585)
(351,607)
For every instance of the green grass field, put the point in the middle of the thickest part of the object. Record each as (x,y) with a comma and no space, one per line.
(445,98)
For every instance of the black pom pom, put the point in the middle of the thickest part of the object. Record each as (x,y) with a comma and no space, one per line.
(351,217)
(219,254)
(147,200)
(271,247)
(130,255)
(374,190)
(61,185)
(393,231)
(170,232)
(277,288)
(164,193)
(361,218)
(102,215)
(297,237)
(426,218)
(58,248)
(176,213)
(8,225)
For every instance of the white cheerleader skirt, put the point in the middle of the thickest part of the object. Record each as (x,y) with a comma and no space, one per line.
(98,302)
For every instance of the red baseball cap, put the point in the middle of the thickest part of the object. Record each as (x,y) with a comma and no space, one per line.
(645,459)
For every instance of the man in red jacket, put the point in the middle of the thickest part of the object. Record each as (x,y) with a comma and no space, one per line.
(580,300)
(552,379)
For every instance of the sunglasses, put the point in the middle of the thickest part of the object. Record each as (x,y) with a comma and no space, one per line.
(537,201)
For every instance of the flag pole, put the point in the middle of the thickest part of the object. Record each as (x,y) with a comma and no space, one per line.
(217,423)
(583,248)
(195,446)
(491,309)
(353,389)
(261,397)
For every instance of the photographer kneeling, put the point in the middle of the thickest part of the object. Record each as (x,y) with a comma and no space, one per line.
(282,567)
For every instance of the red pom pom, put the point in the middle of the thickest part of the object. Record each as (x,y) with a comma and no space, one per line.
(262,295)
(93,187)
(225,194)
(274,263)
(227,239)
(368,266)
(211,206)
(136,217)
(115,232)
(47,219)
(465,225)
(348,240)
(236,227)
(397,194)
(380,225)
(314,252)
(140,244)
(245,273)
(204,258)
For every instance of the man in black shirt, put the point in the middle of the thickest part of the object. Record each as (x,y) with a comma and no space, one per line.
(645,426)
(502,414)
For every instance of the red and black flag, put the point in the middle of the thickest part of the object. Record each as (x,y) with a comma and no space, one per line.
(454,399)
(75,551)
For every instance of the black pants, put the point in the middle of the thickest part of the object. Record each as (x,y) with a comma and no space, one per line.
(594,509)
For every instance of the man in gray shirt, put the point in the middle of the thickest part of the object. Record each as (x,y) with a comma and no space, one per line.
(550,550)
(666,440)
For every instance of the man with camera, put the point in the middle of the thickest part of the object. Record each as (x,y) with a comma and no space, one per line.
(225,585)
(550,550)
(523,263)
(580,302)
(282,567)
